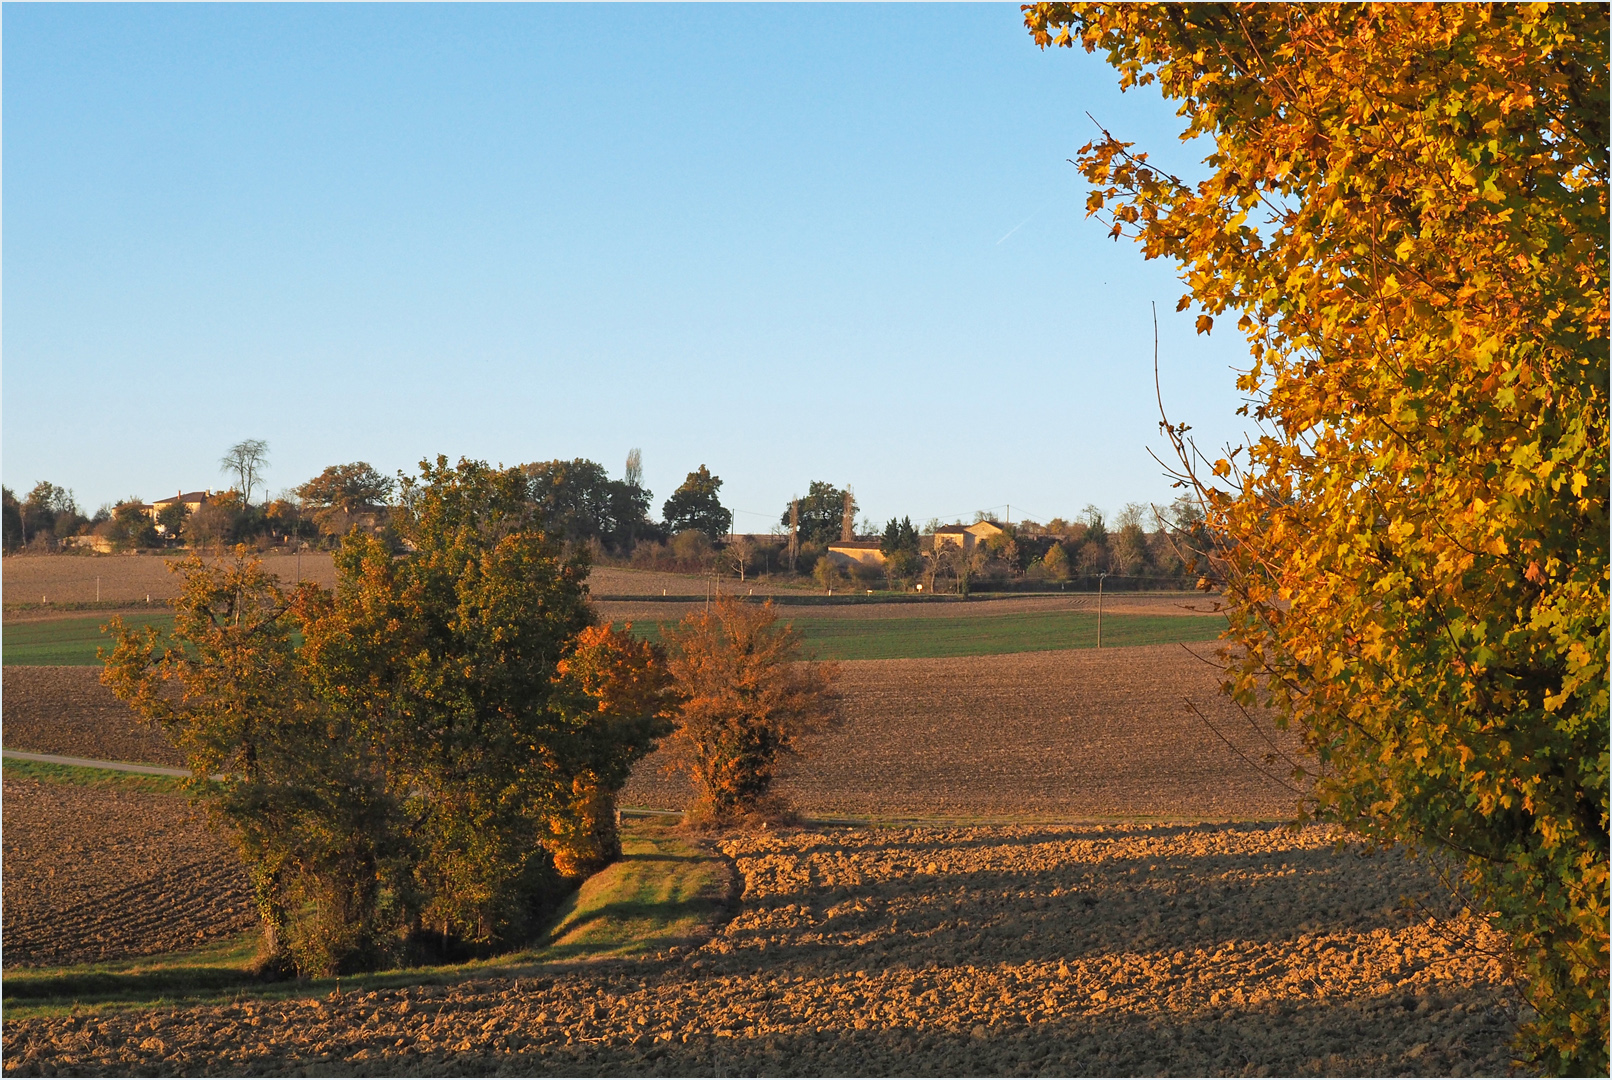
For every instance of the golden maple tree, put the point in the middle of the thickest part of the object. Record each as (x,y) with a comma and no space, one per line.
(1405,209)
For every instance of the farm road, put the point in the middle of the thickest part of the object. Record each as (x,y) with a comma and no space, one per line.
(1209,950)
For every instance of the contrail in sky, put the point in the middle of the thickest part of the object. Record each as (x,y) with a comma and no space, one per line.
(1023,223)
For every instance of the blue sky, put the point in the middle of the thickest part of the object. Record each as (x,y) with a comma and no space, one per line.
(788,242)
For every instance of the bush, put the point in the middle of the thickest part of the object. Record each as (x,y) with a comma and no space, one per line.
(746,698)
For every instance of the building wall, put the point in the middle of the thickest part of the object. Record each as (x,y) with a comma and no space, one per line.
(853,556)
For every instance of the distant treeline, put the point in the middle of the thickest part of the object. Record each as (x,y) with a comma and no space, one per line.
(578,502)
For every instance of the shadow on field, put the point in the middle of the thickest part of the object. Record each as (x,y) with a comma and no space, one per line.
(982,901)
(158,984)
(1349,1038)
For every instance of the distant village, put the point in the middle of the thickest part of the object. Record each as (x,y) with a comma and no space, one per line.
(816,538)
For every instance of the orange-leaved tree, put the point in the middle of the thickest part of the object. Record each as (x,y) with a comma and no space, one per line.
(746,698)
(1405,209)
(621,691)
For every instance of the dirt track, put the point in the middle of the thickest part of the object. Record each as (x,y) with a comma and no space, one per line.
(1000,951)
(101,874)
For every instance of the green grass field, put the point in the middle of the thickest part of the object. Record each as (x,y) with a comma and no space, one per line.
(664,891)
(74,640)
(66,641)
(828,638)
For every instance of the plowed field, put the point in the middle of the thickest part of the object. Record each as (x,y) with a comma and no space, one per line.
(97,874)
(969,951)
(66,710)
(1043,736)
(129,579)
(1054,736)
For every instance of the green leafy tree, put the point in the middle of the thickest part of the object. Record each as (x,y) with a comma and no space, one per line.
(1405,211)
(341,492)
(217,522)
(821,513)
(305,796)
(444,744)
(1130,551)
(826,572)
(580,502)
(172,518)
(903,568)
(11,508)
(131,526)
(450,654)
(695,505)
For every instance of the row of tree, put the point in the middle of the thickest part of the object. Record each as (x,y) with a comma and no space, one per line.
(578,502)
(422,760)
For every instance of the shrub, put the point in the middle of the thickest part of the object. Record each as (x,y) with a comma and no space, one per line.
(746,698)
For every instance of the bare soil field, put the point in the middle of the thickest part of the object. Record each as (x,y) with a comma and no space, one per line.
(96,873)
(66,710)
(127,579)
(1054,736)
(1209,950)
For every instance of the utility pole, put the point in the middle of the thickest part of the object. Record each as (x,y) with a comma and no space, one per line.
(846,520)
(1100,578)
(794,532)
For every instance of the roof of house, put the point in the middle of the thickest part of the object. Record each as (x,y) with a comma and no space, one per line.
(953,530)
(187,497)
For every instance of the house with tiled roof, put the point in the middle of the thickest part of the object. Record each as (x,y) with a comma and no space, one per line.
(965,536)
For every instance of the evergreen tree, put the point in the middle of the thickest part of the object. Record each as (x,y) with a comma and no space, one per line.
(695,506)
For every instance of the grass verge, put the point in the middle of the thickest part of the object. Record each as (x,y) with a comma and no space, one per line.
(665,891)
(87,777)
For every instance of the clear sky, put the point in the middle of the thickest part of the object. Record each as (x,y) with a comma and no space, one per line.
(788,242)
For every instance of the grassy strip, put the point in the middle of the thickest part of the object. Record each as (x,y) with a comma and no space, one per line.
(828,638)
(664,891)
(50,772)
(74,641)
(66,641)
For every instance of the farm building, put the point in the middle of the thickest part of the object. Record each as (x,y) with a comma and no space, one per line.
(856,553)
(192,500)
(965,536)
